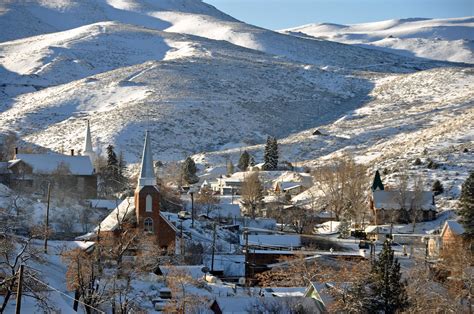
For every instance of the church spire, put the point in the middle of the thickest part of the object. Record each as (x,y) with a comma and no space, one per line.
(88,141)
(147,174)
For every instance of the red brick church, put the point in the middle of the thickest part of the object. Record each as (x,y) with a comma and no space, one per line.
(143,210)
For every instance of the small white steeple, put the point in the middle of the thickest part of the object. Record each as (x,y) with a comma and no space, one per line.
(147,173)
(88,151)
(88,140)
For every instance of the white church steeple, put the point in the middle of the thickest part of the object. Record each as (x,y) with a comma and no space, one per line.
(147,173)
(88,151)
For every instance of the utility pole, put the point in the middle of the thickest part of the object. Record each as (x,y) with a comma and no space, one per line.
(46,227)
(246,237)
(19,290)
(181,238)
(192,208)
(213,248)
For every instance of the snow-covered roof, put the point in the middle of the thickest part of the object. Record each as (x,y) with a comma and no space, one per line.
(195,271)
(48,163)
(392,199)
(124,211)
(385,229)
(454,226)
(241,305)
(273,240)
(289,185)
(231,265)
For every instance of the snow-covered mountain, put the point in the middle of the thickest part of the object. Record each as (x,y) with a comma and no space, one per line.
(196,77)
(438,39)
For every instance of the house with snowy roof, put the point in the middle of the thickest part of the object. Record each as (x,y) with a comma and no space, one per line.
(36,170)
(451,234)
(143,211)
(399,207)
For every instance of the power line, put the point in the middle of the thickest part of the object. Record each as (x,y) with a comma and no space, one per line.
(66,295)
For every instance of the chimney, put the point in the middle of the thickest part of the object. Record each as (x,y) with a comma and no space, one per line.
(72,152)
(16,151)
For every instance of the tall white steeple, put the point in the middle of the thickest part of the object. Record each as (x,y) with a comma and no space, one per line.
(88,140)
(147,173)
(88,151)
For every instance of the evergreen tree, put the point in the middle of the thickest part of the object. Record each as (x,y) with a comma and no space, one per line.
(189,170)
(344,228)
(386,290)
(377,182)
(121,165)
(270,155)
(251,161)
(244,161)
(230,168)
(437,187)
(112,176)
(275,155)
(467,205)
(112,162)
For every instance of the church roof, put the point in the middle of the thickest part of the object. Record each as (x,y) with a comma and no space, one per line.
(125,211)
(48,163)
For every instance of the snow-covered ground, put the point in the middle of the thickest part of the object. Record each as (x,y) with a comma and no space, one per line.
(438,39)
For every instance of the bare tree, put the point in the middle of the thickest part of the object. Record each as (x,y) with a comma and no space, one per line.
(179,282)
(417,200)
(9,142)
(82,276)
(252,193)
(206,199)
(16,251)
(344,185)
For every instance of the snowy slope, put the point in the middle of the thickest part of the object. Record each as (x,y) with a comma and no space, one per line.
(438,39)
(426,115)
(196,18)
(196,77)
(193,103)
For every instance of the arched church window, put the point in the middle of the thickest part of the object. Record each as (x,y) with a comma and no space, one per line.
(148,225)
(149,202)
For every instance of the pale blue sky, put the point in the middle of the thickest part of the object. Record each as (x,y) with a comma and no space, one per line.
(278,14)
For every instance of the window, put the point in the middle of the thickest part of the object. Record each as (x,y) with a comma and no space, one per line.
(149,202)
(148,225)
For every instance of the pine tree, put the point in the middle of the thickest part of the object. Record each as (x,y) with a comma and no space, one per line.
(111,173)
(344,228)
(251,161)
(230,168)
(270,155)
(121,165)
(377,182)
(189,171)
(244,161)
(385,287)
(467,205)
(274,150)
(437,187)
(112,162)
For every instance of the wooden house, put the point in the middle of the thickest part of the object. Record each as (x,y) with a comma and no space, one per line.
(396,207)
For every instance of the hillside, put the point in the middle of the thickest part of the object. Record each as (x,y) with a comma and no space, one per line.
(437,39)
(200,80)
